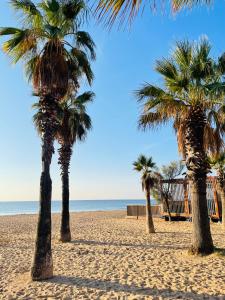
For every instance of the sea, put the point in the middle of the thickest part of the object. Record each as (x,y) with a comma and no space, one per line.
(32,207)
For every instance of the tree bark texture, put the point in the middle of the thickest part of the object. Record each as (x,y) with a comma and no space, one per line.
(149,221)
(65,153)
(42,263)
(197,169)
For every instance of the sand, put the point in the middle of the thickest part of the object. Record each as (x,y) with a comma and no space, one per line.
(111,257)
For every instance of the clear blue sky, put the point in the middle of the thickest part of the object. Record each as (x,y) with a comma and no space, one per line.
(101,168)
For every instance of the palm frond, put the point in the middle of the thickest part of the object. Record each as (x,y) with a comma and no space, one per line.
(30,11)
(84,40)
(83,63)
(178,4)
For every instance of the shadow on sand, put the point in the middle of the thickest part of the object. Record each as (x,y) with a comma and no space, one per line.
(144,246)
(115,286)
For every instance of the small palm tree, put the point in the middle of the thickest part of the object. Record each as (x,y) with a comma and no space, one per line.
(74,125)
(193,97)
(218,163)
(148,180)
(54,51)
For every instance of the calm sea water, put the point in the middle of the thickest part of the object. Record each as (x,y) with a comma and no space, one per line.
(31,207)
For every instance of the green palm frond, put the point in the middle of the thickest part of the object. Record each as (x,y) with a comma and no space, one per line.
(26,6)
(183,54)
(21,43)
(9,30)
(147,167)
(144,163)
(83,99)
(150,91)
(31,14)
(73,8)
(83,63)
(166,68)
(50,7)
(217,161)
(84,40)
(55,51)
(74,121)
(191,78)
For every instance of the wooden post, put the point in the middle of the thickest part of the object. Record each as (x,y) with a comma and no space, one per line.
(215,197)
(186,204)
(137,212)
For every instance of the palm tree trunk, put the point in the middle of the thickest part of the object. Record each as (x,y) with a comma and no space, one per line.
(149,221)
(42,264)
(65,153)
(197,169)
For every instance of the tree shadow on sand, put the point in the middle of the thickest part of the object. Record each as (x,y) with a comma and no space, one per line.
(116,286)
(144,246)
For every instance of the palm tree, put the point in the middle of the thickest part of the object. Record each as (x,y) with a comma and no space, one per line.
(218,163)
(193,98)
(148,180)
(52,62)
(75,123)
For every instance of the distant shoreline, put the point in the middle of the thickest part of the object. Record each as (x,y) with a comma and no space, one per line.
(13,208)
(58,213)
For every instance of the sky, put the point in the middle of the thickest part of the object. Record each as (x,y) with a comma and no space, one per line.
(101,167)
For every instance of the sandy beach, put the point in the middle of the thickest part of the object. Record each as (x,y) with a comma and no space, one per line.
(110,257)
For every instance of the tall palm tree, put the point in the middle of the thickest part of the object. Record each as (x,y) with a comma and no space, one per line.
(218,163)
(148,180)
(193,98)
(74,125)
(54,50)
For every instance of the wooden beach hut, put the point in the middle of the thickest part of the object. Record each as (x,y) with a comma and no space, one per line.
(180,201)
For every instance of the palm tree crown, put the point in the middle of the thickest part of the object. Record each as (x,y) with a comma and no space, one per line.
(74,120)
(50,43)
(147,167)
(192,80)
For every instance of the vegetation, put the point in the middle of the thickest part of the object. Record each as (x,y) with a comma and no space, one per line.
(164,192)
(148,179)
(193,98)
(74,125)
(128,9)
(53,64)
